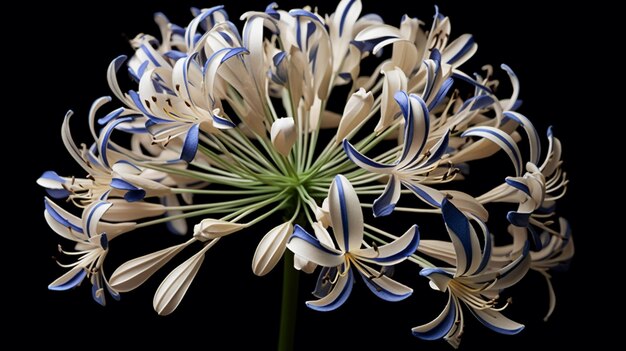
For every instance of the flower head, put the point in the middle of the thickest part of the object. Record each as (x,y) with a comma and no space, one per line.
(231,127)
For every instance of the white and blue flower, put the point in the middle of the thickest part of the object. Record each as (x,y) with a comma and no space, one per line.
(91,237)
(471,280)
(340,256)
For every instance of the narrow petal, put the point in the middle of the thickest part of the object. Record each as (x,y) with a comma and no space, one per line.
(416,127)
(501,139)
(190,146)
(386,202)
(393,252)
(309,248)
(440,326)
(531,132)
(383,286)
(345,214)
(335,298)
(497,322)
(466,245)
(357,109)
(70,279)
(365,162)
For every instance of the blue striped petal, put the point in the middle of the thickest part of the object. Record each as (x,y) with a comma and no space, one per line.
(337,297)
(385,204)
(190,146)
(59,218)
(380,291)
(70,283)
(459,230)
(441,325)
(132,194)
(501,139)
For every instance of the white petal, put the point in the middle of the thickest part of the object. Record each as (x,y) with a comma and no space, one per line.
(122,210)
(284,135)
(301,264)
(135,272)
(173,288)
(357,109)
(270,249)
(393,81)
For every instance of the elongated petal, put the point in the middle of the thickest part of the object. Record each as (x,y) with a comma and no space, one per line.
(345,214)
(337,296)
(135,272)
(122,210)
(271,249)
(365,162)
(440,326)
(92,215)
(497,322)
(174,287)
(501,139)
(357,109)
(284,135)
(393,252)
(70,279)
(309,248)
(533,136)
(60,220)
(466,245)
(460,50)
(386,202)
(416,127)
(393,81)
(383,286)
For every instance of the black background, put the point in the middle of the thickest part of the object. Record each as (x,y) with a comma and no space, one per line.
(227,304)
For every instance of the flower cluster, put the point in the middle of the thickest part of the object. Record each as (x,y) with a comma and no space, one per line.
(229,127)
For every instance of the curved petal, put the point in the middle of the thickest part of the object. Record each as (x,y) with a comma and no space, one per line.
(416,127)
(337,296)
(531,132)
(501,139)
(497,322)
(70,279)
(345,214)
(386,202)
(466,244)
(383,286)
(393,252)
(92,215)
(365,162)
(440,326)
(309,248)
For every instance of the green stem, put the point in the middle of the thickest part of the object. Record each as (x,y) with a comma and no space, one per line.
(289,304)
